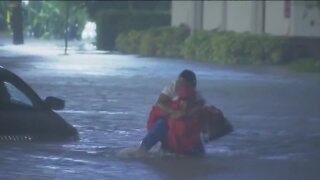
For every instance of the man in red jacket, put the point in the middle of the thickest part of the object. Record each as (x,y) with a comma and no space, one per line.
(163,110)
(184,133)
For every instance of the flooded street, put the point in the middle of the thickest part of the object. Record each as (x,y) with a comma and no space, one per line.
(275,115)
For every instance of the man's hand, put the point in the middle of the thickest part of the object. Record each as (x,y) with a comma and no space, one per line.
(195,109)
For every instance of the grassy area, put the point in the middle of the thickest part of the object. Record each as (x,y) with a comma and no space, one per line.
(305,65)
(5,34)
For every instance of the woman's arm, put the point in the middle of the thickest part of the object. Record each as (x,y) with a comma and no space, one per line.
(163,103)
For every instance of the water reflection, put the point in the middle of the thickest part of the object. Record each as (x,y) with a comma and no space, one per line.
(276,120)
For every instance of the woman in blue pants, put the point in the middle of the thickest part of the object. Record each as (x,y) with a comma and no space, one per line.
(158,132)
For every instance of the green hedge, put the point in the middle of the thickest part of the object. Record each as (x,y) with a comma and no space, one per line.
(163,41)
(211,46)
(233,48)
(111,23)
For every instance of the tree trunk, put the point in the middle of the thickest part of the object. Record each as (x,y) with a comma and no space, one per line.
(66,34)
(17,23)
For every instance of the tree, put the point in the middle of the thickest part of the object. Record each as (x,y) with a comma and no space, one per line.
(47,19)
(3,15)
(94,6)
(17,22)
(66,30)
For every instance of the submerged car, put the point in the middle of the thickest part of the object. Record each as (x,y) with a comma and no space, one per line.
(24,116)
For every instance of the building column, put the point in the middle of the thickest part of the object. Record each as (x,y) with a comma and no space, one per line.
(258,17)
(224,18)
(291,17)
(198,15)
(263,16)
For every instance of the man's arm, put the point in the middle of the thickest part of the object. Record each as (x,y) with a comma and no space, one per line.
(195,109)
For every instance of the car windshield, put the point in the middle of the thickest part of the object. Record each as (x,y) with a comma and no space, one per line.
(12,97)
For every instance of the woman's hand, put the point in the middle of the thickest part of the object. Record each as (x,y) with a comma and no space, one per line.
(176,115)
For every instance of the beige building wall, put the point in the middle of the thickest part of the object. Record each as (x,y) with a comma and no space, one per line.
(252,16)
(239,16)
(258,16)
(305,19)
(182,12)
(276,22)
(187,12)
(213,15)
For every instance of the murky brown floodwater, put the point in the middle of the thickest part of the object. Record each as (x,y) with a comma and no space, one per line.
(275,115)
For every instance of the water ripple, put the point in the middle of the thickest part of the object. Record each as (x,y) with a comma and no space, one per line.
(93,112)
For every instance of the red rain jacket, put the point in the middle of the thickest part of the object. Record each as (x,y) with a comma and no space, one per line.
(182,134)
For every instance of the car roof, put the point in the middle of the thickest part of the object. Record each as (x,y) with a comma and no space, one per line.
(6,72)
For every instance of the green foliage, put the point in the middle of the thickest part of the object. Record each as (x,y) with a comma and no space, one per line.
(94,7)
(305,65)
(111,23)
(233,48)
(3,11)
(198,46)
(148,43)
(46,19)
(129,42)
(169,40)
(210,46)
(163,41)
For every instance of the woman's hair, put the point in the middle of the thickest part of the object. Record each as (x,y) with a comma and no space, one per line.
(189,76)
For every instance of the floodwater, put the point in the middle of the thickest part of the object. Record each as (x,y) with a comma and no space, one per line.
(275,114)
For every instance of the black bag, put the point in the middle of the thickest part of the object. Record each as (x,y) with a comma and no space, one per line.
(216,125)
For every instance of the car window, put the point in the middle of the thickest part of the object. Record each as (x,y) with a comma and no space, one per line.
(4,96)
(16,96)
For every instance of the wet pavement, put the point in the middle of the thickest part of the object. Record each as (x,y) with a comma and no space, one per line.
(108,96)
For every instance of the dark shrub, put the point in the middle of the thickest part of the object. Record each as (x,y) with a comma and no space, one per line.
(111,23)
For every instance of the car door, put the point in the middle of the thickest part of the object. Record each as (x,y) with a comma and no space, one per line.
(19,115)
(24,114)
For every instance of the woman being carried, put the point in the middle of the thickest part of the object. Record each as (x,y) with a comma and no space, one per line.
(177,122)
